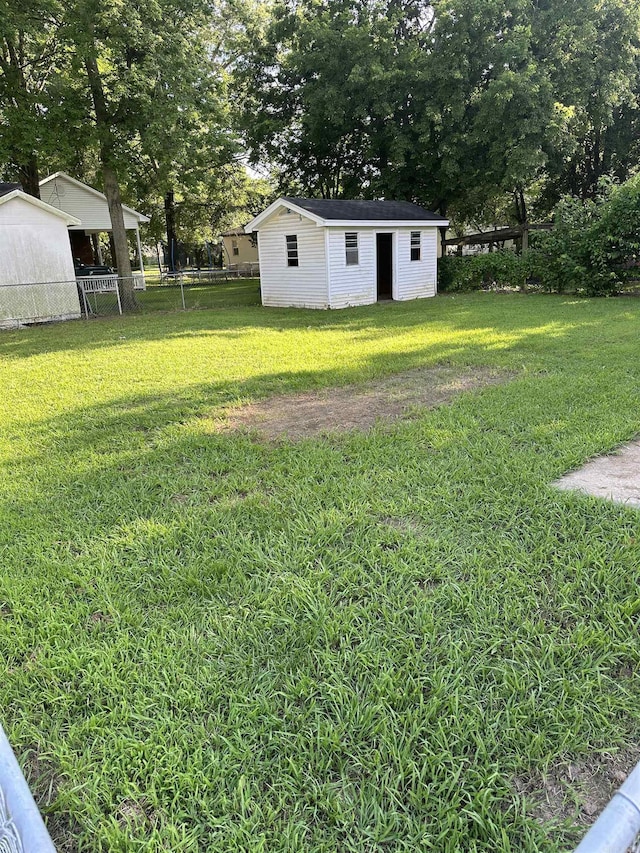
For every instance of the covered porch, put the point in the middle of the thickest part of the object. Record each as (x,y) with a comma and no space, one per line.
(91,209)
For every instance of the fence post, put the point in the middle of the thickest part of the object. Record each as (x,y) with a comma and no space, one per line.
(184,307)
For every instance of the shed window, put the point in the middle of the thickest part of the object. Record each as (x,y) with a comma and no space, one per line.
(351,249)
(292,250)
(234,246)
(415,245)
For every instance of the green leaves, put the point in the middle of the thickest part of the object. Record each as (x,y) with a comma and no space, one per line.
(456,104)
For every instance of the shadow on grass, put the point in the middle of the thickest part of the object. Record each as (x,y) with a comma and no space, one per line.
(502,313)
(198,606)
(257,640)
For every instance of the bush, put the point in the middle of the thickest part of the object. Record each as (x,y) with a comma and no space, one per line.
(595,245)
(593,249)
(504,268)
(570,256)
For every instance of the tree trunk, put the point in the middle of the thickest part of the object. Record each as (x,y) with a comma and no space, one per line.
(120,242)
(523,219)
(442,210)
(29,176)
(111,185)
(170,215)
(443,241)
(12,64)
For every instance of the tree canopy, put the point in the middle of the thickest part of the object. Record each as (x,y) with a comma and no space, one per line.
(487,110)
(470,106)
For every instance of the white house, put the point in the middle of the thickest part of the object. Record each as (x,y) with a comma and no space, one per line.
(37,279)
(89,206)
(322,253)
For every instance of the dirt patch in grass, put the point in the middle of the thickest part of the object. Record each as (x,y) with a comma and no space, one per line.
(136,812)
(359,407)
(576,792)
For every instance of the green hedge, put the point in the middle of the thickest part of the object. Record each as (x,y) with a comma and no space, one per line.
(504,268)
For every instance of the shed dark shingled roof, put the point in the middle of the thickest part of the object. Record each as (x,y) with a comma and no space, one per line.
(5,189)
(378,210)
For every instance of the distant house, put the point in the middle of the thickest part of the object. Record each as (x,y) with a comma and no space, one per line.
(239,249)
(89,206)
(320,253)
(37,280)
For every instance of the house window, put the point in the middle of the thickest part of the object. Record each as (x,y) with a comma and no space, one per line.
(292,250)
(415,245)
(234,247)
(351,249)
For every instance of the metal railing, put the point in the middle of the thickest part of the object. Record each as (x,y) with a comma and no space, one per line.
(211,275)
(618,826)
(90,287)
(22,829)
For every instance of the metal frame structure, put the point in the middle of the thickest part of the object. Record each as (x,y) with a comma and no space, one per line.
(22,829)
(619,824)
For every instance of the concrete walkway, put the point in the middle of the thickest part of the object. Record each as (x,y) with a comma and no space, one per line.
(615,476)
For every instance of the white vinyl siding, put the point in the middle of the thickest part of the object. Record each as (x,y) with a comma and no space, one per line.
(416,279)
(352,284)
(89,208)
(304,286)
(37,261)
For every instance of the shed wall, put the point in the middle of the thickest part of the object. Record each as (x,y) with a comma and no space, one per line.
(90,209)
(416,279)
(304,286)
(352,285)
(37,279)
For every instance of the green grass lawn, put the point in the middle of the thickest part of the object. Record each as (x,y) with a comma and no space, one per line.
(156,297)
(355,643)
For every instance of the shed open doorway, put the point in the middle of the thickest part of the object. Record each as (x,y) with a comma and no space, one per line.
(384,266)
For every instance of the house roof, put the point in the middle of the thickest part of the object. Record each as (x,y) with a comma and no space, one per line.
(8,188)
(63,176)
(352,212)
(36,202)
(235,232)
(362,209)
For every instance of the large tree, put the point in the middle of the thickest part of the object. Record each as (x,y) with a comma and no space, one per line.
(471,106)
(589,51)
(140,87)
(32,56)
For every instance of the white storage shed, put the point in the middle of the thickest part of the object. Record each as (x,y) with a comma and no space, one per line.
(325,253)
(37,279)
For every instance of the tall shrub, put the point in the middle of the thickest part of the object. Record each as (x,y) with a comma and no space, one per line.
(504,268)
(594,245)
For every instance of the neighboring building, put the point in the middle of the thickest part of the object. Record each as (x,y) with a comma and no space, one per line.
(239,248)
(90,208)
(320,253)
(37,279)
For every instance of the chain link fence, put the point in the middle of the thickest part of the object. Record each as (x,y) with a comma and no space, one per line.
(108,295)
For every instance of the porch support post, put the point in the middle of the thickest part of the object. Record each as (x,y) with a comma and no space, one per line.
(139,250)
(99,250)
